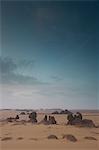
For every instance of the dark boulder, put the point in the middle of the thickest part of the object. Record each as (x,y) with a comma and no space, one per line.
(87,123)
(70,119)
(79,115)
(17,117)
(70,137)
(33,117)
(22,113)
(65,112)
(52,120)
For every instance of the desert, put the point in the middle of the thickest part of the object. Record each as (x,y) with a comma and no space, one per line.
(22,134)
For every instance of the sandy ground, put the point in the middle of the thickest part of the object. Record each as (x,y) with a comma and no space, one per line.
(34,137)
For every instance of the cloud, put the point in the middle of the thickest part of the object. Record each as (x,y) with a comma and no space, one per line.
(7,66)
(9,73)
(56,78)
(26,63)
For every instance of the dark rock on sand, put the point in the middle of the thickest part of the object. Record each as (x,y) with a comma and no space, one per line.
(65,112)
(52,137)
(17,117)
(77,120)
(70,137)
(20,138)
(90,138)
(87,123)
(33,117)
(6,139)
(22,113)
(48,121)
(52,120)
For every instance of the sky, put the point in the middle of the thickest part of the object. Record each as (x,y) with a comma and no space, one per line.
(49,54)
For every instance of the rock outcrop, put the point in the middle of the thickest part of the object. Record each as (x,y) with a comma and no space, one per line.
(48,120)
(33,117)
(78,120)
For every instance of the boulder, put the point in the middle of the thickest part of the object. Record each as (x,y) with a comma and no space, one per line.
(17,117)
(70,137)
(87,123)
(33,117)
(52,120)
(22,113)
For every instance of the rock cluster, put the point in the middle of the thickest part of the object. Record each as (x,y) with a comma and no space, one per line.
(62,112)
(48,120)
(12,119)
(78,120)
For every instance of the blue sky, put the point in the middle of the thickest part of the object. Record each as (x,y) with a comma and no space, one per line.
(49,54)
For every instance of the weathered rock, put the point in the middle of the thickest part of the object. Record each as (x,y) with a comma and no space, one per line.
(33,117)
(70,137)
(70,119)
(77,120)
(79,115)
(22,113)
(45,118)
(52,120)
(87,123)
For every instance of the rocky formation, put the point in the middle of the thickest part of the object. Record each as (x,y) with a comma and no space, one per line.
(22,113)
(48,120)
(78,120)
(62,112)
(65,112)
(52,120)
(10,119)
(87,123)
(33,117)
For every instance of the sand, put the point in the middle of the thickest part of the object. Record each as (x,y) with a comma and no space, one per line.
(18,136)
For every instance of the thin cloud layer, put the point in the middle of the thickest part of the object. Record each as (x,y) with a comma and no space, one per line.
(8,71)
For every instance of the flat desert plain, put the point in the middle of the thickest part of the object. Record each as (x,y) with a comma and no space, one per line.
(27,136)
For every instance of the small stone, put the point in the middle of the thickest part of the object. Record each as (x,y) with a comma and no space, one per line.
(90,138)
(52,137)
